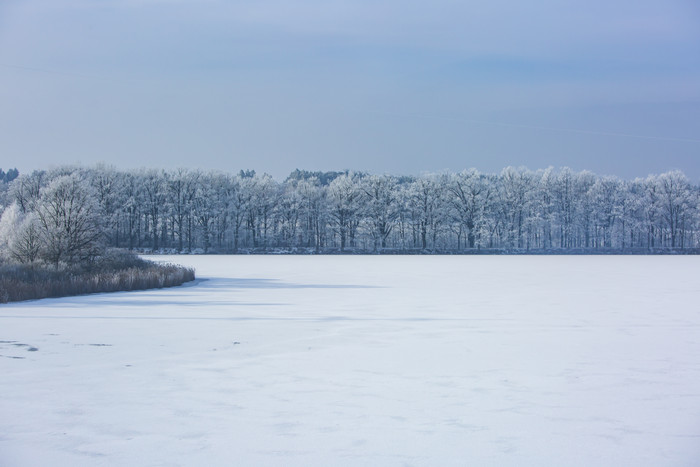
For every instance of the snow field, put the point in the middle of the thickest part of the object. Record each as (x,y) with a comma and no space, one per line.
(363,360)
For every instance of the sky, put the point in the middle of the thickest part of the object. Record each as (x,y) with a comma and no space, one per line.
(383,86)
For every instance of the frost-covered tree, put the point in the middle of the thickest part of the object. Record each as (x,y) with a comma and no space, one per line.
(26,190)
(289,211)
(542,209)
(10,219)
(264,199)
(469,194)
(380,208)
(652,204)
(239,193)
(314,213)
(181,189)
(106,184)
(344,207)
(129,210)
(676,202)
(25,244)
(207,207)
(604,199)
(153,190)
(514,197)
(69,219)
(5,181)
(424,198)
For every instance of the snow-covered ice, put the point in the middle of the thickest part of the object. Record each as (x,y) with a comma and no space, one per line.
(363,360)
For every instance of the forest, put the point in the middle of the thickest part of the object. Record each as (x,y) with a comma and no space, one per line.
(194,211)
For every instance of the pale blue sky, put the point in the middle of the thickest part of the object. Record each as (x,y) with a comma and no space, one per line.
(384,86)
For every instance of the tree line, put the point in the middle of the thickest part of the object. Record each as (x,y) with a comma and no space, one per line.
(65,213)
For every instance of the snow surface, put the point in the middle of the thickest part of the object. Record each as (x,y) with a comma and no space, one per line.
(351,360)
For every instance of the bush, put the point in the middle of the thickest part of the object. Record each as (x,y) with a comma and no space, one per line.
(113,272)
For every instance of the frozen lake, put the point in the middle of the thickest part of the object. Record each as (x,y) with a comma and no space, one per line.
(351,360)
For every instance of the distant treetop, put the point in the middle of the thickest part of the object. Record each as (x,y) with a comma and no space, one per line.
(7,177)
(246,173)
(324,178)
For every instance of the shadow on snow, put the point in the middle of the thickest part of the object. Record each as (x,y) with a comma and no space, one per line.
(180,296)
(255,283)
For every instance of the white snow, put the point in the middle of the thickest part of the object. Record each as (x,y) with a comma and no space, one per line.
(357,360)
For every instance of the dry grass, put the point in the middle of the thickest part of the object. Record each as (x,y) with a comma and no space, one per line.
(112,273)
